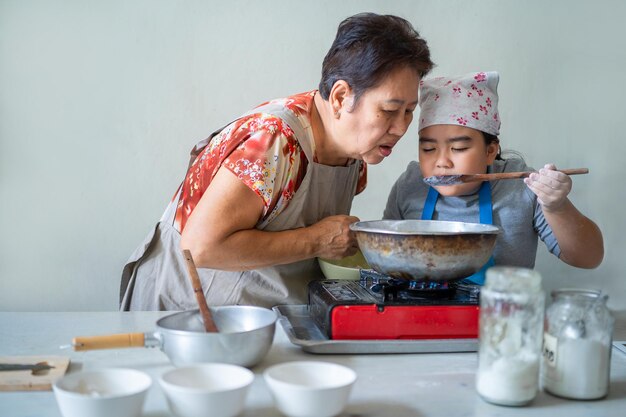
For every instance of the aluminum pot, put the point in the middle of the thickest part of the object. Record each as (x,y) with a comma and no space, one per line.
(244,338)
(430,250)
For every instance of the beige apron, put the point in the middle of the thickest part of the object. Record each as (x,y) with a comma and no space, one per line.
(155,276)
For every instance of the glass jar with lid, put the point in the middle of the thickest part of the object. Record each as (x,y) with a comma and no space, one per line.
(511,326)
(577,344)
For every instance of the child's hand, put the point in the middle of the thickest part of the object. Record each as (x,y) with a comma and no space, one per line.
(550,186)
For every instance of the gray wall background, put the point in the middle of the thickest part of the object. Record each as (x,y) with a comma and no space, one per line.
(101,101)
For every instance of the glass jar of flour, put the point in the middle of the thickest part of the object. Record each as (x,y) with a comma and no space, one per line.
(511,326)
(577,345)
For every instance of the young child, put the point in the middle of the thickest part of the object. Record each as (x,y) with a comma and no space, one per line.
(458,134)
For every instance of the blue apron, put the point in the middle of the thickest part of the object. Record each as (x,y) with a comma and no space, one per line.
(485,210)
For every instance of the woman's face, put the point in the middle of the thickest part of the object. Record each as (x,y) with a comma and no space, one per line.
(452,150)
(380,117)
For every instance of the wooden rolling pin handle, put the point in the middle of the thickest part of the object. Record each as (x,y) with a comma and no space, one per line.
(112,341)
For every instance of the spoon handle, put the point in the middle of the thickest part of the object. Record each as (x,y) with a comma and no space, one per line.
(511,175)
(209,325)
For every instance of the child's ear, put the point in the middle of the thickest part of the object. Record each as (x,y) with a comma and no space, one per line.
(492,151)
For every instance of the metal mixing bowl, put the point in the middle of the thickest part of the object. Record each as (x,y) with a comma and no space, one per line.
(245,335)
(425,249)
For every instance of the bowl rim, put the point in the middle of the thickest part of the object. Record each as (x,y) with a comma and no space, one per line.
(246,374)
(271,322)
(146,383)
(351,375)
(330,262)
(334,262)
(348,273)
(386,227)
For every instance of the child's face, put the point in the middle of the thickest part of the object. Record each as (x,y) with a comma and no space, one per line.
(451,150)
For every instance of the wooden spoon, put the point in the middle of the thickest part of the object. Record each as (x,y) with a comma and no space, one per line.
(207,320)
(460,179)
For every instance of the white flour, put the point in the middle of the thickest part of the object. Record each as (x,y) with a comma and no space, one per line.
(580,370)
(510,381)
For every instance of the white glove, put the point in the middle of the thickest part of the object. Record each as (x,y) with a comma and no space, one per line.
(550,186)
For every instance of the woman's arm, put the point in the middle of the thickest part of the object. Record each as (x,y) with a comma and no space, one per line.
(221,234)
(579,238)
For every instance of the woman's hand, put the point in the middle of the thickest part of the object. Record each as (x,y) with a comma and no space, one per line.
(551,187)
(335,238)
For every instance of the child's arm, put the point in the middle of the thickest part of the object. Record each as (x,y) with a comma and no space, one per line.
(579,238)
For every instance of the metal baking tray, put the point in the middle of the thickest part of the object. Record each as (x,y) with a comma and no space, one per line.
(620,345)
(302,331)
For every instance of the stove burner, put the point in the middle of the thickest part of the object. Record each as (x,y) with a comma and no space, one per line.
(393,289)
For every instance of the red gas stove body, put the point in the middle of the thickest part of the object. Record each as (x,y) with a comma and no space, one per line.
(377,307)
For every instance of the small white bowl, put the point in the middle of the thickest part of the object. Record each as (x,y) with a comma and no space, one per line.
(203,390)
(345,268)
(102,393)
(310,388)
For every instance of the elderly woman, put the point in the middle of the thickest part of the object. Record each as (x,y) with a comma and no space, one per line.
(272,190)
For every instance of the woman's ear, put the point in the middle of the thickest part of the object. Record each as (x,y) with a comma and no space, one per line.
(340,98)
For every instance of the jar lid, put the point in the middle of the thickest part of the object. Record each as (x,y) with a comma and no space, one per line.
(513,279)
(582,295)
(576,292)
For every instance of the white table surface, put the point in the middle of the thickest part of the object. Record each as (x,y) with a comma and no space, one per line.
(388,385)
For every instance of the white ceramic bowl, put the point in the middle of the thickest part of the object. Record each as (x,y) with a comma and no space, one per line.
(344,268)
(206,390)
(310,388)
(102,393)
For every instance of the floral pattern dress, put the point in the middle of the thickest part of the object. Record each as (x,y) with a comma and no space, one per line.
(271,150)
(264,154)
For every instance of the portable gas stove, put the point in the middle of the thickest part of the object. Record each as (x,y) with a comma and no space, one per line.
(380,307)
